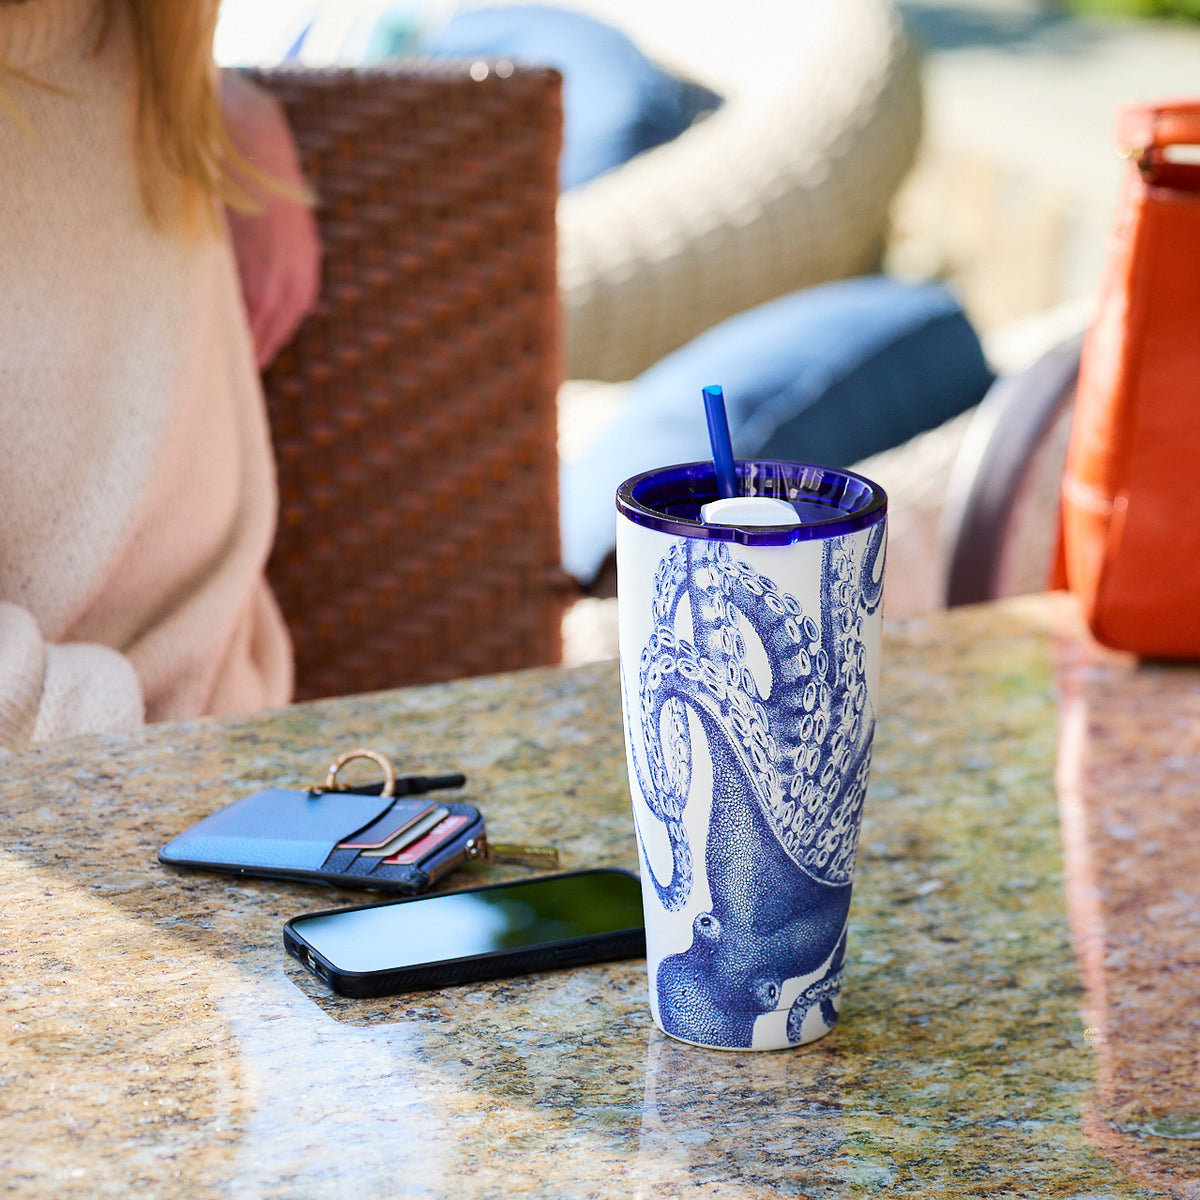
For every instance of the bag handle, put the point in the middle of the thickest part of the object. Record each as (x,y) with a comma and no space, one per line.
(1143,131)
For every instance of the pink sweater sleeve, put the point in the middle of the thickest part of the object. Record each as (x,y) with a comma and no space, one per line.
(51,691)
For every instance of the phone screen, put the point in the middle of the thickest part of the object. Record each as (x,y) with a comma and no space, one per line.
(447,926)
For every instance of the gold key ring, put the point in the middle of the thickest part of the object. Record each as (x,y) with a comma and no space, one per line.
(389,772)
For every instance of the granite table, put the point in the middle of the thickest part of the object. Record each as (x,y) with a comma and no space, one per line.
(1022,1012)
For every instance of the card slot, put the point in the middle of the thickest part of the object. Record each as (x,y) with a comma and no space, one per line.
(436,838)
(386,829)
(339,861)
(276,829)
(361,867)
(412,833)
(412,877)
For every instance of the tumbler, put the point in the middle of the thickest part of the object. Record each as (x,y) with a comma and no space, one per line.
(749,674)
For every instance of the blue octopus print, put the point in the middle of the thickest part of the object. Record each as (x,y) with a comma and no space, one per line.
(790,755)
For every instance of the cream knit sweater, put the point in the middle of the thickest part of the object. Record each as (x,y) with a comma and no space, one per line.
(137,497)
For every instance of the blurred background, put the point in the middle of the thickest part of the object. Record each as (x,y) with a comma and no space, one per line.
(719,157)
(1015,181)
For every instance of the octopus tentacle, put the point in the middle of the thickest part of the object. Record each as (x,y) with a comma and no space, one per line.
(792,748)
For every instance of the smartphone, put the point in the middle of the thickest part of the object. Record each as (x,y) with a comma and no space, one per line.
(490,932)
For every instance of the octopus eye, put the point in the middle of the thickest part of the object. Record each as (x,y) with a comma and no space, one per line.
(767,993)
(707,926)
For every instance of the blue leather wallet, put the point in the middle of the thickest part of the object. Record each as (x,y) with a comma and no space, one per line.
(400,835)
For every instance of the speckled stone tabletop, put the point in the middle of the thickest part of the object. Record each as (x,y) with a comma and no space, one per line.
(157,1042)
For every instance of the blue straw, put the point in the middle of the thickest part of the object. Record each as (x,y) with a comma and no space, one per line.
(722,446)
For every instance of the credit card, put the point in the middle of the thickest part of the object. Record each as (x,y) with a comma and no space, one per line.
(436,837)
(409,835)
(401,816)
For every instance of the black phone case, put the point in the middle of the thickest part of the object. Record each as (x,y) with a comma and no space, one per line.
(280,833)
(500,964)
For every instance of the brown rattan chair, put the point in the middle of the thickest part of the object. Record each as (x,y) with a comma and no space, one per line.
(414,416)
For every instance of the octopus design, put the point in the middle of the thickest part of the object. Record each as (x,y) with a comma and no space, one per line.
(790,758)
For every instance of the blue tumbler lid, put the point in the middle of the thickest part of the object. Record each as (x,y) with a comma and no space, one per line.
(830,501)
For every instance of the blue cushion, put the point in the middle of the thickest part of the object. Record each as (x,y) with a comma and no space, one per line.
(827,375)
(616,103)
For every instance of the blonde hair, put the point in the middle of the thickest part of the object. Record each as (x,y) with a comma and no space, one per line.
(186,159)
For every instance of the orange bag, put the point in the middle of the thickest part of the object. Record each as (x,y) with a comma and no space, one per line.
(1131,486)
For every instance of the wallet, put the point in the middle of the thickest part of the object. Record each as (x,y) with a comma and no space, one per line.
(401,835)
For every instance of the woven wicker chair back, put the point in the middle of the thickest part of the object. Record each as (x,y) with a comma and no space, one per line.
(414,416)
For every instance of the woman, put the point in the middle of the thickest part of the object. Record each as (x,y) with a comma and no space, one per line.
(149,268)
